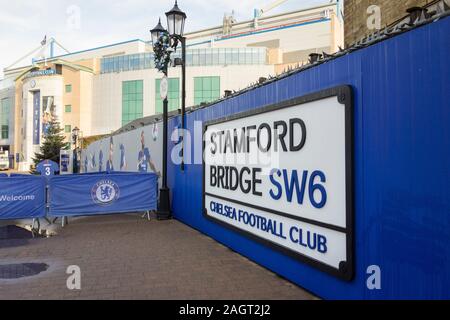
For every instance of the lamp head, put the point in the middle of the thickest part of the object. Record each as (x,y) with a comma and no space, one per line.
(175,21)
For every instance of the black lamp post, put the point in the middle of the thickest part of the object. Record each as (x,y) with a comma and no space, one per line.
(175,24)
(164,43)
(75,135)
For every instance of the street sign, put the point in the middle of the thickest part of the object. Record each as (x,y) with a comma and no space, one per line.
(164,88)
(65,162)
(282,175)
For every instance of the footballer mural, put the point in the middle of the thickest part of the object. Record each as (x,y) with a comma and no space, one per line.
(139,150)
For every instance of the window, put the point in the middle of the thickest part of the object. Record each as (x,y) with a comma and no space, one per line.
(132,100)
(5,132)
(68,88)
(68,129)
(68,108)
(206,89)
(194,57)
(5,107)
(173,96)
(235,56)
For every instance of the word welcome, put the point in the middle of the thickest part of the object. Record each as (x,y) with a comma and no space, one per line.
(11,198)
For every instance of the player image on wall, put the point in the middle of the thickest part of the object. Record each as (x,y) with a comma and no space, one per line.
(93,162)
(139,150)
(48,114)
(86,164)
(100,161)
(123,160)
(144,158)
(109,163)
(155,132)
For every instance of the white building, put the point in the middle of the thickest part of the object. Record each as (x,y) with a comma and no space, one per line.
(101,89)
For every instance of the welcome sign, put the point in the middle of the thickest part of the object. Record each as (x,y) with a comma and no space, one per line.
(283,175)
(22,197)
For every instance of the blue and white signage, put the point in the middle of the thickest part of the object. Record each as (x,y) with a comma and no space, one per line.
(283,175)
(65,162)
(41,73)
(36,117)
(97,194)
(22,197)
(105,192)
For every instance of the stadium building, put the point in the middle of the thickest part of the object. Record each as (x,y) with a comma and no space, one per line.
(99,90)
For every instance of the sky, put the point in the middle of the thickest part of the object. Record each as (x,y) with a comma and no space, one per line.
(85,24)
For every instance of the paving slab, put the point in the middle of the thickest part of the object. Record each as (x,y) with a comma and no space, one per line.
(126,257)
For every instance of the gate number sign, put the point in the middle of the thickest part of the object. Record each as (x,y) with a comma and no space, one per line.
(282,175)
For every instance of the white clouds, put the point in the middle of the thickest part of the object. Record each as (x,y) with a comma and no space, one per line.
(24,23)
(9,19)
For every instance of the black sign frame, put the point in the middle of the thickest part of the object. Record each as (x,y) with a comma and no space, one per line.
(344,95)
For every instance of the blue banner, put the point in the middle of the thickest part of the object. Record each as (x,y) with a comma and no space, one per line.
(22,197)
(36,117)
(84,195)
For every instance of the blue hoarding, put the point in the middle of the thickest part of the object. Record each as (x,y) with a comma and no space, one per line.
(96,194)
(401,168)
(22,197)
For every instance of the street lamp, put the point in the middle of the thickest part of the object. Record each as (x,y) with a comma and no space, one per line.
(157,32)
(75,135)
(175,25)
(164,43)
(175,21)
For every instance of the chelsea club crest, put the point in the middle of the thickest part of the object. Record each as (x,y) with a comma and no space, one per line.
(105,192)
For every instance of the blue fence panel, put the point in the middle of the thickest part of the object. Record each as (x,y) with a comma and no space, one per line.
(22,197)
(81,195)
(401,174)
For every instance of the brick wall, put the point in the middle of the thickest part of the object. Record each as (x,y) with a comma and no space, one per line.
(356,15)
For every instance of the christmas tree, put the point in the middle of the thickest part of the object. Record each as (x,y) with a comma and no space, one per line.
(54,141)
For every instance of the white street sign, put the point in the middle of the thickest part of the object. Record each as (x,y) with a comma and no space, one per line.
(164,88)
(283,174)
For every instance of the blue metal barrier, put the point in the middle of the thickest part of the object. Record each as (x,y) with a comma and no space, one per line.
(96,194)
(22,197)
(401,172)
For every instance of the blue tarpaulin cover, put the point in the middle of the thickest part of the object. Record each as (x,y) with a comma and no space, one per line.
(81,195)
(22,197)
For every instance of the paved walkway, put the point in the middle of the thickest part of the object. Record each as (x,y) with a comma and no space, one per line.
(125,257)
